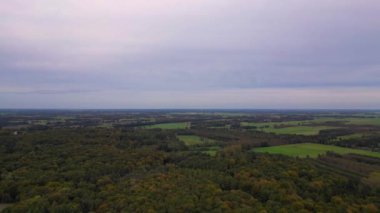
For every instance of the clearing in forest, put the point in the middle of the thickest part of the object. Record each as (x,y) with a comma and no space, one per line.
(181,125)
(312,150)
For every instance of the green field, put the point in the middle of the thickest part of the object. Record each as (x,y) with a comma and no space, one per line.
(358,135)
(295,129)
(310,127)
(292,127)
(212,150)
(298,130)
(181,125)
(273,124)
(312,150)
(353,121)
(351,136)
(364,121)
(191,140)
(320,120)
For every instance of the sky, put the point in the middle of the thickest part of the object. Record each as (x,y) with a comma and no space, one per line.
(255,54)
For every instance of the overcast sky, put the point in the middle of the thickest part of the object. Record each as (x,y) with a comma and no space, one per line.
(189,54)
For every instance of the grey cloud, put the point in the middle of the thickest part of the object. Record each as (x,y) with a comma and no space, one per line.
(51,46)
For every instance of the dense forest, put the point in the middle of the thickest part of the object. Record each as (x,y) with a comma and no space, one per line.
(51,166)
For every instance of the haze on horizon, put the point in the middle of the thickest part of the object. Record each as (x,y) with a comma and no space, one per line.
(190,54)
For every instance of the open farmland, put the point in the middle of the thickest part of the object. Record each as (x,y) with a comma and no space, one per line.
(209,150)
(314,126)
(206,144)
(364,121)
(351,136)
(212,150)
(273,124)
(288,128)
(316,121)
(181,125)
(298,130)
(312,150)
(371,121)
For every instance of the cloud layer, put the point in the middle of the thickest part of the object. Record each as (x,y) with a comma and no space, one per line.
(173,53)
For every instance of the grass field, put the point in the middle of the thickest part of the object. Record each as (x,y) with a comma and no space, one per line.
(298,130)
(182,125)
(364,121)
(272,124)
(307,127)
(353,121)
(312,150)
(351,136)
(320,120)
(191,140)
(212,150)
(358,135)
(293,130)
(209,150)
(292,127)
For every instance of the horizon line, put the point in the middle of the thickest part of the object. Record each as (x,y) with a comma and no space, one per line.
(198,109)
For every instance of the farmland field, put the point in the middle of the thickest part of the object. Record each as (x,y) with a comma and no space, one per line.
(181,125)
(321,120)
(295,130)
(209,150)
(315,121)
(312,150)
(212,150)
(312,127)
(298,130)
(374,121)
(273,124)
(351,136)
(364,121)
(293,127)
